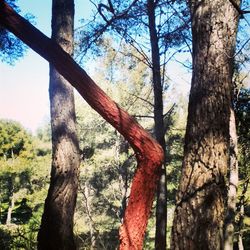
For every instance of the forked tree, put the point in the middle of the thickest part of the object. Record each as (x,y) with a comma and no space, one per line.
(149,153)
(200,203)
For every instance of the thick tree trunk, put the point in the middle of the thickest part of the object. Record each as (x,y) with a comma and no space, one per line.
(200,202)
(56,230)
(161,203)
(148,152)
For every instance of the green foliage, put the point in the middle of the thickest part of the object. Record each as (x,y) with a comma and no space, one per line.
(24,177)
(43,140)
(105,175)
(242,110)
(109,164)
(14,141)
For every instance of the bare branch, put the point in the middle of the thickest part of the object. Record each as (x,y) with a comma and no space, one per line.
(237,7)
(138,97)
(143,116)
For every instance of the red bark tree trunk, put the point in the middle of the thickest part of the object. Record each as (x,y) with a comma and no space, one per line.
(148,152)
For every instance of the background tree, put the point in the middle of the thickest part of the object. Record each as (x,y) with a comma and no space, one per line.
(199,213)
(242,222)
(109,162)
(15,144)
(57,222)
(23,182)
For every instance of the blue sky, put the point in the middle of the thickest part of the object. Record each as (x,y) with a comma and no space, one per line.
(24,87)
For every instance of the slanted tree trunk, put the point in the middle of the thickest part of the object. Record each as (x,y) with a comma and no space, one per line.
(161,203)
(56,230)
(200,202)
(148,152)
(232,185)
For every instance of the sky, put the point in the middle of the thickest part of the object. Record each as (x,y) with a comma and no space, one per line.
(24,87)
(24,95)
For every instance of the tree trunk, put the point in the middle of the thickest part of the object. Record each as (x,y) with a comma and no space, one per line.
(10,209)
(241,213)
(87,201)
(148,152)
(56,230)
(200,202)
(161,203)
(240,233)
(232,186)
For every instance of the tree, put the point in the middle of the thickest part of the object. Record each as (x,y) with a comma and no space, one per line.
(148,153)
(56,230)
(233,177)
(152,28)
(200,202)
(16,148)
(109,162)
(23,181)
(14,141)
(242,109)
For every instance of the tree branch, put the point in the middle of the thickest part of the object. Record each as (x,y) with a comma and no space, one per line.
(237,7)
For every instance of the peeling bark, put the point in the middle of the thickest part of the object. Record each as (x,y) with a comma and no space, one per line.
(148,152)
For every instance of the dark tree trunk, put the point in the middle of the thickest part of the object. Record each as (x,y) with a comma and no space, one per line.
(56,230)
(161,203)
(200,202)
(148,152)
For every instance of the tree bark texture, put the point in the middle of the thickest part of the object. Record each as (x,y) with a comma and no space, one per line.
(148,152)
(56,231)
(161,203)
(200,202)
